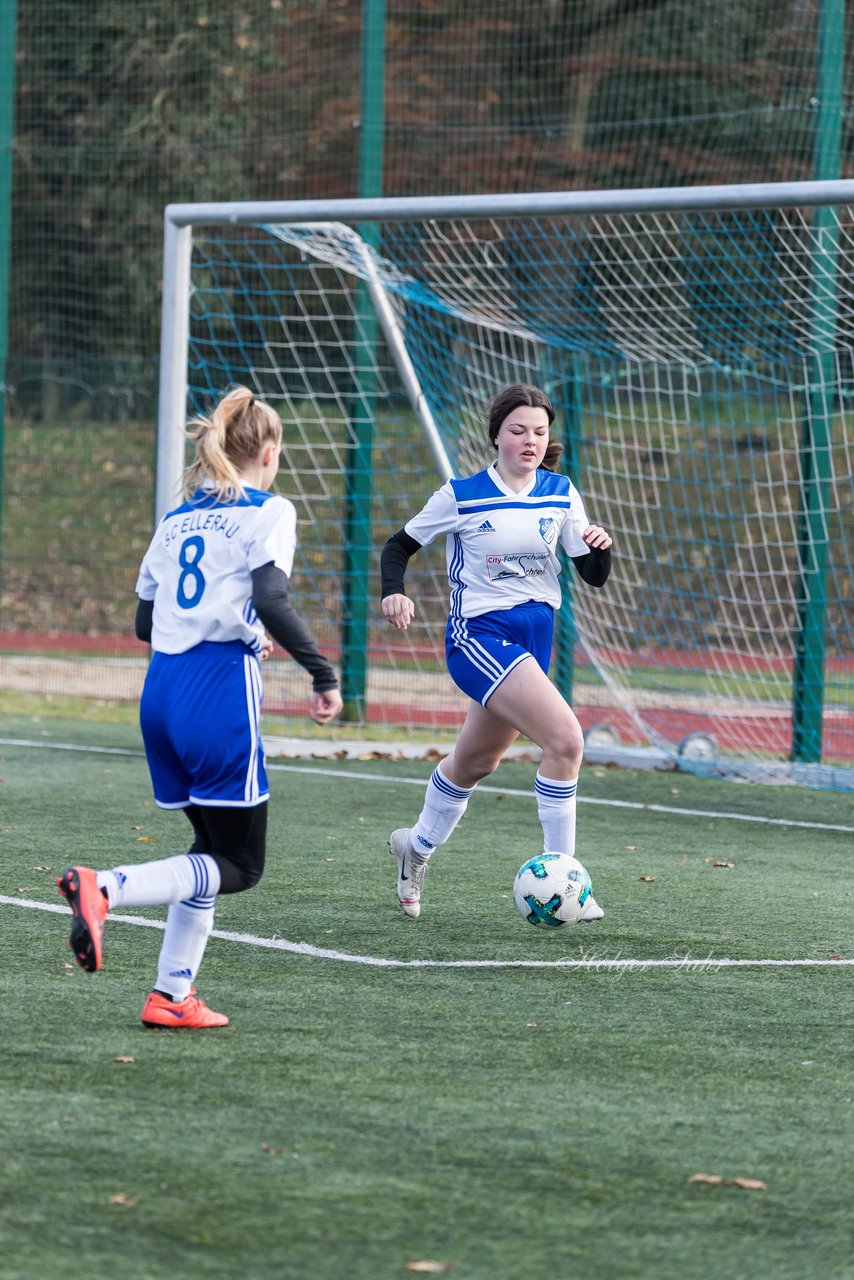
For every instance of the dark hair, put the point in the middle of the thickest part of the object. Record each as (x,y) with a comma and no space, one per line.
(522,393)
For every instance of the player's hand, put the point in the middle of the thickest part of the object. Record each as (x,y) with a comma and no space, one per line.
(399,610)
(325,706)
(595,536)
(266,648)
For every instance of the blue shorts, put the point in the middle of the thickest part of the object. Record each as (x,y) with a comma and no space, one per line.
(482,651)
(200,716)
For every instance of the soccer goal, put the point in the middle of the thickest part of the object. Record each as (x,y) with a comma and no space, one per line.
(698,344)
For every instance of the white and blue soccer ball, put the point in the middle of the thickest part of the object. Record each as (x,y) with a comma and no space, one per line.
(551,890)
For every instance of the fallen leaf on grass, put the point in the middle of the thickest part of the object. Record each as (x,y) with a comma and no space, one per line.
(719,862)
(148,839)
(715,1180)
(647,879)
(124,1058)
(429,1265)
(127,1201)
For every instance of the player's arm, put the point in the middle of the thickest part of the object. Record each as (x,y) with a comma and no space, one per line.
(394,558)
(144,620)
(595,566)
(270,602)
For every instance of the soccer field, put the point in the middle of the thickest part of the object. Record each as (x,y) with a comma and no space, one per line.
(502,1102)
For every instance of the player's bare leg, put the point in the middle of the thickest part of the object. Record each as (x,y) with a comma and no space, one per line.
(483,740)
(527,702)
(482,743)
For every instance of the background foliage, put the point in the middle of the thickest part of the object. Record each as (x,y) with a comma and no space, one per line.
(121,108)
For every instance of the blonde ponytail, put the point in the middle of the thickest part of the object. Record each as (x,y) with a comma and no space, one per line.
(227,440)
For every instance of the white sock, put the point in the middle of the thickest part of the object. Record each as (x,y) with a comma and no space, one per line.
(444,805)
(556,809)
(188,927)
(152,884)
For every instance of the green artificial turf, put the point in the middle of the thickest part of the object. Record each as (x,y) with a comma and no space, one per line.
(508,1122)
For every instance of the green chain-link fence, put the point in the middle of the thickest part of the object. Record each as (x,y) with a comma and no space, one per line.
(121,108)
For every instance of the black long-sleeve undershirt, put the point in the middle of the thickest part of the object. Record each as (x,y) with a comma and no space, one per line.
(394,558)
(593,568)
(144,620)
(270,602)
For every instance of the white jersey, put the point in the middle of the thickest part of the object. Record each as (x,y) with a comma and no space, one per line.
(502,546)
(198,567)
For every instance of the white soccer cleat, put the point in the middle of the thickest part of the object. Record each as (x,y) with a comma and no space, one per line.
(410,874)
(592,911)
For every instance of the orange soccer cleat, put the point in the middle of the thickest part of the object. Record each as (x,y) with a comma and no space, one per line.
(89,907)
(160,1012)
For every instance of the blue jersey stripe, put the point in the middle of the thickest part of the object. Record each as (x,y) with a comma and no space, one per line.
(209,500)
(483,485)
(454,571)
(529,504)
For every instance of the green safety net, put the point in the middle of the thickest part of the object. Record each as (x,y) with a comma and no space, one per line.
(684,360)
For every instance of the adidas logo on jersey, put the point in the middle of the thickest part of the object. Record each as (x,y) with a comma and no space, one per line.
(486,527)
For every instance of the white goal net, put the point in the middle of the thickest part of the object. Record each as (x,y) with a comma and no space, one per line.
(701,360)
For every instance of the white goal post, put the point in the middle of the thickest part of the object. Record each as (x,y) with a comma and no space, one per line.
(698,344)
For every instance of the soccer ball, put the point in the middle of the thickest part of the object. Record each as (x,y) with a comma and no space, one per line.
(551,890)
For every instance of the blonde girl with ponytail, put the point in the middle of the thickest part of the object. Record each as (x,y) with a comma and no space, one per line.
(212,589)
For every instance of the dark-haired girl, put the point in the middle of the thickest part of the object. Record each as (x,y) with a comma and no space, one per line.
(503,527)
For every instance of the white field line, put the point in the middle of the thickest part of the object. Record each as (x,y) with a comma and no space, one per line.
(615,804)
(393,780)
(706,964)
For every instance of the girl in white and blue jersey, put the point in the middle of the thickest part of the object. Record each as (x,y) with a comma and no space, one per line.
(212,588)
(502,530)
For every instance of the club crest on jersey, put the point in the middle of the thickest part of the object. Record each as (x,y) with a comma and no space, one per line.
(548,530)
